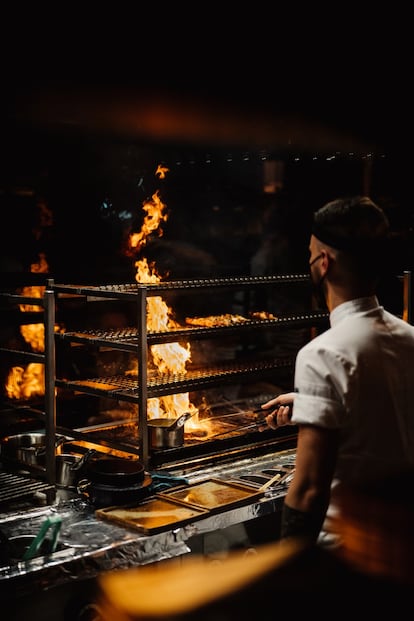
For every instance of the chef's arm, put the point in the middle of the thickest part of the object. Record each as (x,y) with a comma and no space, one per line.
(308,494)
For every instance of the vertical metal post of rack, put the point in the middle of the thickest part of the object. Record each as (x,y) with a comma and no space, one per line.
(407,297)
(142,375)
(50,395)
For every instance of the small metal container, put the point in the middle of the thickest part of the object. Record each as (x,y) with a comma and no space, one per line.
(70,468)
(164,434)
(167,432)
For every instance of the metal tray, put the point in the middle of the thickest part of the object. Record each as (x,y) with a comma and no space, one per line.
(214,494)
(153,515)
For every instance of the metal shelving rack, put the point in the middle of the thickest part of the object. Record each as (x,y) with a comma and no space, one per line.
(138,341)
(47,358)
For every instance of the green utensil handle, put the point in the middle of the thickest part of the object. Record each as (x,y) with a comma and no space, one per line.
(54,522)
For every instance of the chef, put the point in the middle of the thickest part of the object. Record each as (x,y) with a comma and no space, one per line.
(353,399)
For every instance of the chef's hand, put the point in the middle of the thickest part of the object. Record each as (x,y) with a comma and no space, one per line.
(278,410)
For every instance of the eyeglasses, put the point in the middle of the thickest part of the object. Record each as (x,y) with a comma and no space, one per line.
(315,259)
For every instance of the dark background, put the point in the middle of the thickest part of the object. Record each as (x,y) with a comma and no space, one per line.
(91,106)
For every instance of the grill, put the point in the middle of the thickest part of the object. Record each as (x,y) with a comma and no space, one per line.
(128,338)
(233,434)
(232,431)
(15,487)
(118,387)
(131,289)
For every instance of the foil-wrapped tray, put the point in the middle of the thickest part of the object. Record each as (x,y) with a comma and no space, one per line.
(180,505)
(153,515)
(214,494)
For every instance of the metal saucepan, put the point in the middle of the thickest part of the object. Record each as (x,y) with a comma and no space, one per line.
(70,468)
(167,432)
(27,448)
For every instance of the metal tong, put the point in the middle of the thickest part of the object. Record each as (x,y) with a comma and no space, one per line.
(277,478)
(254,425)
(54,522)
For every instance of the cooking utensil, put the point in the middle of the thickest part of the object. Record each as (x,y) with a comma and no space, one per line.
(162,436)
(219,417)
(101,495)
(27,448)
(166,432)
(276,478)
(115,471)
(254,425)
(69,468)
(54,522)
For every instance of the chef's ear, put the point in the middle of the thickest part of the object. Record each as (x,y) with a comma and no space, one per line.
(326,259)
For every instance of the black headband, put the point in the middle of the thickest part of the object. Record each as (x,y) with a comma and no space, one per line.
(341,242)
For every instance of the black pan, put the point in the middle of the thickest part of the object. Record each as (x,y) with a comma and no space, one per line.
(115,472)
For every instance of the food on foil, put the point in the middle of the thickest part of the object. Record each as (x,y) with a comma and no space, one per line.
(213,321)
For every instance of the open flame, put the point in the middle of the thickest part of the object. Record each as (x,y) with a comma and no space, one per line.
(156,214)
(26,382)
(29,381)
(167,357)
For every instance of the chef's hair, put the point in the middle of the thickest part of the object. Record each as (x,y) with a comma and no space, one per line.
(356,227)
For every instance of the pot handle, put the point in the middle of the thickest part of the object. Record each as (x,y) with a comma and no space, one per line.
(83,460)
(41,450)
(83,487)
(179,422)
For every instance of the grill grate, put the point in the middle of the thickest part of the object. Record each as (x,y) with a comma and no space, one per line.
(128,338)
(117,386)
(17,487)
(131,289)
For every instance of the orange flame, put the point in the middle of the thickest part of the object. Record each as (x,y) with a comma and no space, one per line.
(170,358)
(23,383)
(35,292)
(161,171)
(152,221)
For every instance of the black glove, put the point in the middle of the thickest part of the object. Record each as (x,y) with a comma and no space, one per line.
(296,523)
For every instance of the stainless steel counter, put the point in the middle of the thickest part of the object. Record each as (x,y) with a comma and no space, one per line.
(88,545)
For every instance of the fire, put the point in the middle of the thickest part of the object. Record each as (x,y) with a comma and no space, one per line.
(34,334)
(35,292)
(156,214)
(23,383)
(152,221)
(161,171)
(168,358)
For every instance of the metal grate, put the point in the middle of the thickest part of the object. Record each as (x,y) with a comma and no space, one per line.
(118,386)
(128,338)
(17,487)
(131,289)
